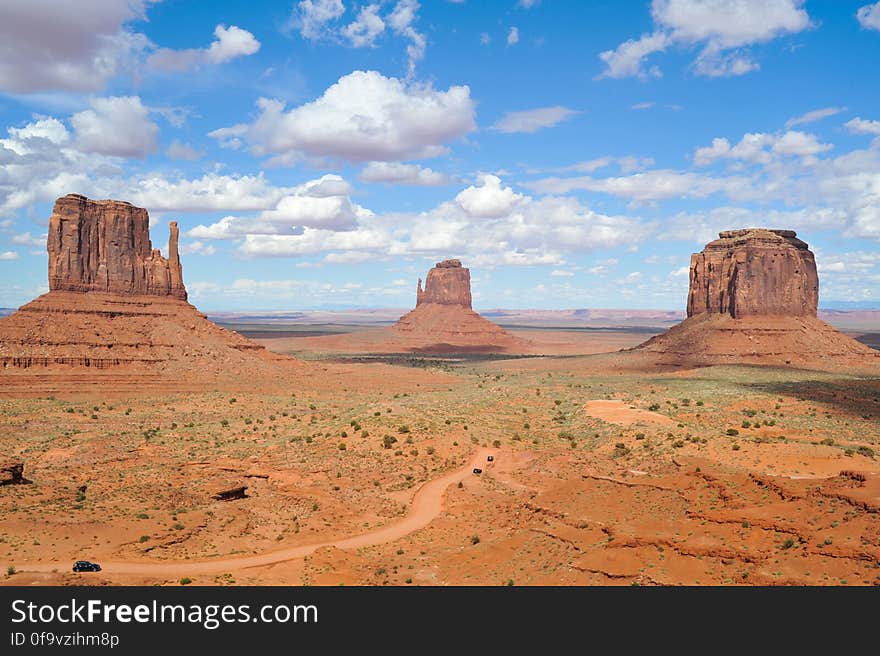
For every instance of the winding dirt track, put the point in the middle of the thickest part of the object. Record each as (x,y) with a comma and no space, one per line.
(427,504)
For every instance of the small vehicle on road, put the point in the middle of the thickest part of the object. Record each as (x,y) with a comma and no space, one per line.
(490,458)
(477,470)
(86,566)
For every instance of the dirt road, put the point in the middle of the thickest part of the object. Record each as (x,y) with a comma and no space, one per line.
(427,504)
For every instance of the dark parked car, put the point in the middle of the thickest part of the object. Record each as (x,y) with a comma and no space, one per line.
(477,470)
(86,566)
(490,458)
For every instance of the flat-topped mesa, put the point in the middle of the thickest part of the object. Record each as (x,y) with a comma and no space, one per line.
(448,283)
(104,246)
(754,272)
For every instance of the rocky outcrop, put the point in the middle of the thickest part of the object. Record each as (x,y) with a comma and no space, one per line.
(231,494)
(752,300)
(12,473)
(116,316)
(443,320)
(104,246)
(754,272)
(448,283)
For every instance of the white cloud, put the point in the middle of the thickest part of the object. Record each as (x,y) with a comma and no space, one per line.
(197,248)
(314,15)
(364,116)
(26,239)
(403,174)
(658,184)
(319,204)
(800,144)
(813,116)
(318,19)
(8,255)
(230,42)
(862,126)
(559,273)
(721,28)
(643,105)
(118,126)
(628,58)
(47,45)
(533,120)
(761,147)
(627,164)
(513,36)
(401,20)
(485,39)
(528,4)
(363,31)
(490,225)
(869,16)
(490,199)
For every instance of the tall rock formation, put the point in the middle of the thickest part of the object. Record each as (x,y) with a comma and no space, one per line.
(753,299)
(443,320)
(116,314)
(754,272)
(448,283)
(104,246)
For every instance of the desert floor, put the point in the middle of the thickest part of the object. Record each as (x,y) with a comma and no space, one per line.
(362,474)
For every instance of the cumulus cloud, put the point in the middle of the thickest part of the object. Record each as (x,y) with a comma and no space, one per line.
(318,204)
(513,36)
(197,248)
(862,126)
(364,117)
(533,120)
(761,147)
(488,199)
(8,255)
(722,29)
(869,16)
(363,31)
(119,126)
(403,174)
(488,223)
(70,46)
(230,42)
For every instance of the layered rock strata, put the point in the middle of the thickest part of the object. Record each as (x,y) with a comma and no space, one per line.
(104,246)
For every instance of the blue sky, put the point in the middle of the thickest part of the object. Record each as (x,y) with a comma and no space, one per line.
(325,153)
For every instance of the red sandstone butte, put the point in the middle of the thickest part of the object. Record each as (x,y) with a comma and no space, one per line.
(117,314)
(448,283)
(752,300)
(754,272)
(444,321)
(104,246)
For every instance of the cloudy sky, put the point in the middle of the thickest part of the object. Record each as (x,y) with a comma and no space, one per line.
(325,153)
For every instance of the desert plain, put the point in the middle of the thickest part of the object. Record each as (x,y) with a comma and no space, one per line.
(601,475)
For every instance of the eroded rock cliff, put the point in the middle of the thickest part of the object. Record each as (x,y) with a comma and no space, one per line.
(754,272)
(104,246)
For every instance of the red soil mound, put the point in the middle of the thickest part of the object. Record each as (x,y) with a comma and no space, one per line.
(803,342)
